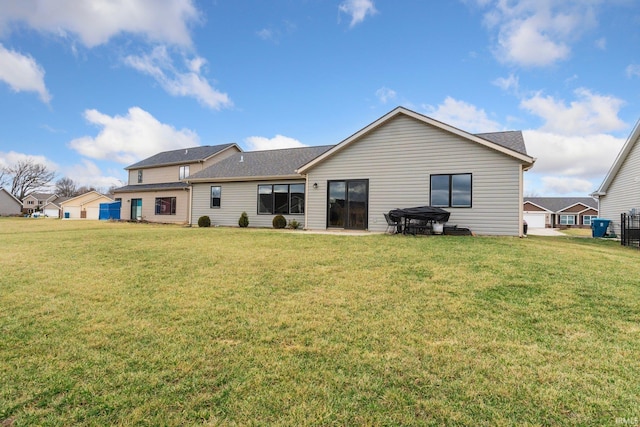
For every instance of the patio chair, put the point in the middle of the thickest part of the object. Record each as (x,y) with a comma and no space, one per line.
(393,227)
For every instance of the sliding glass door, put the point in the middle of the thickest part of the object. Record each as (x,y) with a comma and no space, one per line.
(347,204)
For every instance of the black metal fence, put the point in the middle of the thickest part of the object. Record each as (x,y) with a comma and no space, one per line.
(630,230)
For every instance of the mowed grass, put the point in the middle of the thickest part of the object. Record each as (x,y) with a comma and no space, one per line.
(105,323)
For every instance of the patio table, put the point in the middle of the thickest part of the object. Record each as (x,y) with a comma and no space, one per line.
(428,214)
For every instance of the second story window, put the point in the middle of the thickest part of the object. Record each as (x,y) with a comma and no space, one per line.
(140,176)
(184,172)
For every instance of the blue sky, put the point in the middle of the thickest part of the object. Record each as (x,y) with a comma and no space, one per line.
(90,87)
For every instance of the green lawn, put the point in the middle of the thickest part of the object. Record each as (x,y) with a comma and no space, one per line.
(106,323)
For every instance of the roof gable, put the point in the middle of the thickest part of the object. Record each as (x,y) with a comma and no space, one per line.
(90,196)
(617,164)
(252,165)
(559,204)
(495,141)
(41,196)
(4,190)
(182,156)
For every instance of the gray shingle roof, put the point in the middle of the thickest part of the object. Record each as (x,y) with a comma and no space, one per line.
(151,187)
(556,204)
(512,139)
(269,163)
(183,155)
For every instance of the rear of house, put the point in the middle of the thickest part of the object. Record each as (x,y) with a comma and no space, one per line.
(405,159)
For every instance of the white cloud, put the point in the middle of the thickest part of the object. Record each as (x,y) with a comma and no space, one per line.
(255,143)
(564,185)
(385,94)
(189,82)
(22,73)
(537,33)
(584,157)
(89,174)
(463,116)
(275,34)
(633,70)
(95,22)
(588,115)
(510,83)
(127,139)
(13,157)
(601,43)
(358,10)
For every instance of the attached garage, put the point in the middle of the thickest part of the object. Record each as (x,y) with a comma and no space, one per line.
(535,220)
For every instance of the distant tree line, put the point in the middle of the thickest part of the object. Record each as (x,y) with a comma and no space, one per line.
(27,176)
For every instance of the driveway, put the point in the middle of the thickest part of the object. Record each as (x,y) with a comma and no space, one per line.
(544,232)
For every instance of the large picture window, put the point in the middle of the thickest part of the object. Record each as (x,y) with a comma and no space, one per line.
(451,190)
(281,199)
(216,197)
(165,205)
(567,219)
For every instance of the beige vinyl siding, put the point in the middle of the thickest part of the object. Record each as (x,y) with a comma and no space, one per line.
(149,206)
(398,159)
(623,193)
(171,173)
(236,197)
(9,205)
(158,175)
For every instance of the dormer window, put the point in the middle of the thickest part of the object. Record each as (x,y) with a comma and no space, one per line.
(140,176)
(184,172)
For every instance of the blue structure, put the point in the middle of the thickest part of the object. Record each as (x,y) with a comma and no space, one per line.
(110,210)
(599,227)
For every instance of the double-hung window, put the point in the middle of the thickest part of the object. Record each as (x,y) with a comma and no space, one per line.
(165,205)
(184,172)
(281,199)
(140,176)
(216,196)
(451,190)
(586,219)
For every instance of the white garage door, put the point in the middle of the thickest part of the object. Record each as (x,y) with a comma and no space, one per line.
(534,220)
(51,213)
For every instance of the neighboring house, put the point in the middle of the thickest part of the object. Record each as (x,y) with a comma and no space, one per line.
(9,205)
(156,190)
(559,212)
(53,209)
(84,206)
(35,202)
(620,191)
(403,159)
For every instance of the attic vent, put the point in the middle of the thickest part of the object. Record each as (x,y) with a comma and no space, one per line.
(241,159)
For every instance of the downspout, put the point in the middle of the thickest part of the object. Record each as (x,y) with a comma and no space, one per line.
(190,190)
(520,202)
(306,200)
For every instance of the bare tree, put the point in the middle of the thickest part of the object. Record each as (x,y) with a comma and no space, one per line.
(66,187)
(3,177)
(85,189)
(27,177)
